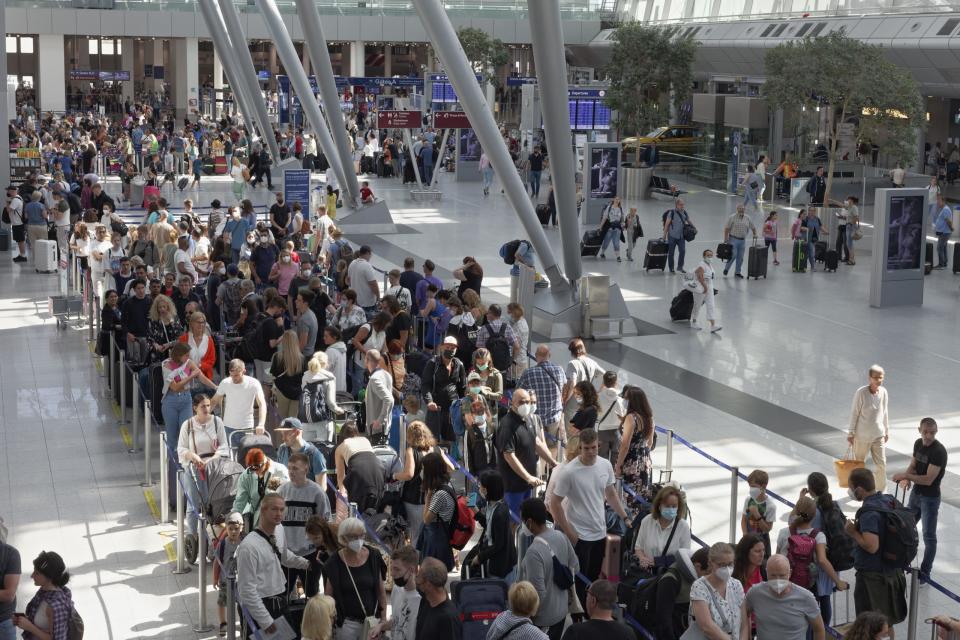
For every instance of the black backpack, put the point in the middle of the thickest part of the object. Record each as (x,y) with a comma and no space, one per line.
(499,348)
(508,251)
(898,538)
(840,545)
(641,598)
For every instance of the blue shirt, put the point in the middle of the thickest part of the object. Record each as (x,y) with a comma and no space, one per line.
(317,464)
(66,164)
(940,224)
(33,213)
(813,224)
(676,219)
(238,232)
(526,257)
(872,522)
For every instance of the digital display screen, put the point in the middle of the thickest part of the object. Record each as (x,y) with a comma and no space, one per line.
(585,111)
(588,114)
(469,145)
(905,237)
(601,116)
(603,173)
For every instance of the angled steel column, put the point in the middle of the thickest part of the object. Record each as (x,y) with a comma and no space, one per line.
(316,44)
(444,39)
(243,69)
(298,79)
(225,50)
(548,53)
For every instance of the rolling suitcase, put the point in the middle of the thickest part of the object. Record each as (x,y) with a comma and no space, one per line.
(656,255)
(543,214)
(610,569)
(208,166)
(681,308)
(220,165)
(183,182)
(590,243)
(956,258)
(45,256)
(757,262)
(819,251)
(799,259)
(831,260)
(928,259)
(724,251)
(479,602)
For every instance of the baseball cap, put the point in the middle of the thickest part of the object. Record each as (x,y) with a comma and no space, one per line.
(473,376)
(292,423)
(451,340)
(232,269)
(234,518)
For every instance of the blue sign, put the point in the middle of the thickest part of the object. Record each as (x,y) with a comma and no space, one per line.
(377,82)
(296,188)
(148,71)
(263,74)
(521,80)
(586,93)
(157,72)
(283,98)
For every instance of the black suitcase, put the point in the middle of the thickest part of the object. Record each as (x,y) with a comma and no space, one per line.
(799,259)
(543,214)
(928,259)
(656,255)
(408,175)
(156,393)
(831,260)
(757,262)
(590,243)
(478,602)
(183,182)
(956,258)
(819,251)
(724,251)
(681,307)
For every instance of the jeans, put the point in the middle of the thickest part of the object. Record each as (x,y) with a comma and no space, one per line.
(197,493)
(812,254)
(514,499)
(427,173)
(7,630)
(357,375)
(942,249)
(926,509)
(590,554)
(676,242)
(177,408)
(739,246)
(613,233)
(535,183)
(487,178)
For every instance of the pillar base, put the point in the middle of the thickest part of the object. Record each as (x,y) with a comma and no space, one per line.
(559,315)
(425,195)
(368,218)
(283,165)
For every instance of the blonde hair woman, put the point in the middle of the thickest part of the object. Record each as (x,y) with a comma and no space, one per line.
(164,328)
(203,349)
(317,377)
(318,618)
(524,604)
(420,442)
(287,367)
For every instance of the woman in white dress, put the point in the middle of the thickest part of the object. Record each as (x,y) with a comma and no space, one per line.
(702,288)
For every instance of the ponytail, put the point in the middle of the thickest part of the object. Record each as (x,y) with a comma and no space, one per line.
(817,483)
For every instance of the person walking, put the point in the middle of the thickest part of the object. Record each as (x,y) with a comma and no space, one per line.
(770,234)
(703,293)
(869,428)
(925,472)
(612,221)
(943,227)
(486,170)
(735,232)
(673,223)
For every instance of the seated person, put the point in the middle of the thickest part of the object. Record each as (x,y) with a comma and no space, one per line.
(366,193)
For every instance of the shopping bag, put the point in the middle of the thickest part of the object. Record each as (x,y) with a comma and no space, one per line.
(846,465)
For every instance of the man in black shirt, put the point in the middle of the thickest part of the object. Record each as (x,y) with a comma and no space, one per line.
(437,616)
(518,444)
(136,311)
(927,466)
(600,601)
(279,219)
(262,343)
(536,169)
(409,279)
(184,295)
(401,323)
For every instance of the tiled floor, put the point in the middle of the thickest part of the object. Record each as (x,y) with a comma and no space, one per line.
(794,345)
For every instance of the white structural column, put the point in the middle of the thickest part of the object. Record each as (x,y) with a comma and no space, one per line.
(7,111)
(358,58)
(52,79)
(387,60)
(217,70)
(186,75)
(127,64)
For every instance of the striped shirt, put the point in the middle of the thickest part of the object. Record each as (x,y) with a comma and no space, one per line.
(738,225)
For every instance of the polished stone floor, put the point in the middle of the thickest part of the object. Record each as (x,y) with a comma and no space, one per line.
(772,391)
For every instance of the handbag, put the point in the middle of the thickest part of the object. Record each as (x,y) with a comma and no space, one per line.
(369,622)
(845,465)
(857,234)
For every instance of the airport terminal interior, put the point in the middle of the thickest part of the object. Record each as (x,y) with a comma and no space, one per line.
(432,145)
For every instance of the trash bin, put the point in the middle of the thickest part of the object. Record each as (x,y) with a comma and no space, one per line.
(136,191)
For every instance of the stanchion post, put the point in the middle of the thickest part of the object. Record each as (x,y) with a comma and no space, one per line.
(147,446)
(136,414)
(669,464)
(90,311)
(202,625)
(734,481)
(914,604)
(110,361)
(223,358)
(181,516)
(231,606)
(122,363)
(164,480)
(96,317)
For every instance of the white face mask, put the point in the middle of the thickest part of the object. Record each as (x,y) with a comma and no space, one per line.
(723,573)
(221,271)
(755,492)
(778,586)
(286,259)
(524,530)
(533,408)
(525,410)
(852,494)
(355,545)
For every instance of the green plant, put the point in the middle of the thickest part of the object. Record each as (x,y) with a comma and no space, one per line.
(485,54)
(856,82)
(649,67)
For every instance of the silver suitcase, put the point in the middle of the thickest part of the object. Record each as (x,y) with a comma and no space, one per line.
(45,256)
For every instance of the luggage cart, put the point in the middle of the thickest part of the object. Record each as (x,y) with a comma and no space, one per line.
(63,307)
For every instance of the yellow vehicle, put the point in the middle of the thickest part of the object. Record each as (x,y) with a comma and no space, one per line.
(678,138)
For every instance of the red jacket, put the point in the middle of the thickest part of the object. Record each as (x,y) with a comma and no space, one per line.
(206,364)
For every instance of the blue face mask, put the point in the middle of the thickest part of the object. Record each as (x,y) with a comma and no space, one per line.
(670,513)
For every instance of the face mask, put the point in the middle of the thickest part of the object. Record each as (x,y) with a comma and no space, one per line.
(287,259)
(723,573)
(670,513)
(755,492)
(524,530)
(401,582)
(533,408)
(475,390)
(578,399)
(525,410)
(852,494)
(355,545)
(480,422)
(264,239)
(482,367)
(222,271)
(778,586)
(448,353)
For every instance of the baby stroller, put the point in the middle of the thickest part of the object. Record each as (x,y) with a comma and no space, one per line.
(222,475)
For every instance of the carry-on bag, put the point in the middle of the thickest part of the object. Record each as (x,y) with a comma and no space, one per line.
(656,255)
(845,466)
(479,602)
(757,261)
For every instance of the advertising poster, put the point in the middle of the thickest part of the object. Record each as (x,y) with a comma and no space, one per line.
(905,238)
(603,173)
(470,149)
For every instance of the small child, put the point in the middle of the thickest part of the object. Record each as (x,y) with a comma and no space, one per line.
(331,202)
(759,513)
(226,563)
(366,193)
(412,410)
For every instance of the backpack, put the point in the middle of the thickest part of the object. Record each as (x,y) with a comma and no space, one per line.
(508,251)
(456,417)
(840,545)
(641,598)
(313,403)
(463,524)
(499,348)
(75,626)
(801,552)
(231,301)
(898,538)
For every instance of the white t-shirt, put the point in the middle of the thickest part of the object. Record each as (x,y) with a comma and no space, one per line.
(16,211)
(361,273)
(184,257)
(238,401)
(611,406)
(768,507)
(404,606)
(584,486)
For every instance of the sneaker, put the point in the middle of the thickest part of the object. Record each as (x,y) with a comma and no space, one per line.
(630,258)
(682,270)
(20,259)
(695,326)
(738,275)
(601,256)
(776,263)
(724,272)
(715,328)
(618,259)
(223,630)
